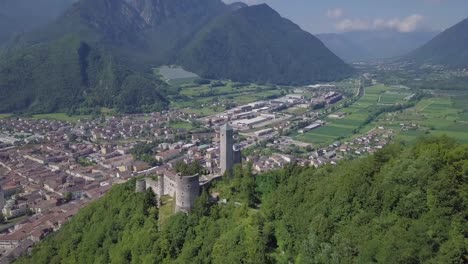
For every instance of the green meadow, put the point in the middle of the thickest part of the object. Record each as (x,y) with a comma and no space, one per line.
(355,115)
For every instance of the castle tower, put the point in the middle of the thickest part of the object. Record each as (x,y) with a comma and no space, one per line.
(161,185)
(140,186)
(226,148)
(187,191)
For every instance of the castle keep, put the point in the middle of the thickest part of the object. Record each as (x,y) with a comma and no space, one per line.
(186,189)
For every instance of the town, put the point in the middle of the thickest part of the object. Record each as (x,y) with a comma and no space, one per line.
(51,169)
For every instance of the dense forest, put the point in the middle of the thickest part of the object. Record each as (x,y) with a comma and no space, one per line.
(404,204)
(73,76)
(255,44)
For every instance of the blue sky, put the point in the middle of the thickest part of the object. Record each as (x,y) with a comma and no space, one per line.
(323,16)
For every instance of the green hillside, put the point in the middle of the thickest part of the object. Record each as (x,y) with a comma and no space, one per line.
(70,75)
(256,44)
(450,48)
(405,204)
(44,71)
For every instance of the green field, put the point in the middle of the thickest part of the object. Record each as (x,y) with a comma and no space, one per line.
(356,115)
(174,73)
(181,125)
(61,117)
(206,100)
(434,116)
(5,116)
(167,208)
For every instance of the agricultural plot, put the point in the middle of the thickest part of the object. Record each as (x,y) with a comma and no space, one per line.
(431,116)
(375,97)
(392,98)
(206,100)
(181,125)
(61,117)
(2,116)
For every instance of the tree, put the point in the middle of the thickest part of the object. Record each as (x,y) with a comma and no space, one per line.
(67,197)
(2,218)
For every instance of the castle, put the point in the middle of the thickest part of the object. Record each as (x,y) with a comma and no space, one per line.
(186,189)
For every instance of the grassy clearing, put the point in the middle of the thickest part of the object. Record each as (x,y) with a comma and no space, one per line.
(167,209)
(174,73)
(181,125)
(61,117)
(297,110)
(2,116)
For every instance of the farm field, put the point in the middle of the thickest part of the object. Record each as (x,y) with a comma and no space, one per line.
(61,117)
(356,115)
(209,99)
(431,116)
(181,125)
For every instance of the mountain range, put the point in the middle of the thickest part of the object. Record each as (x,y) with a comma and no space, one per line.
(450,48)
(99,53)
(375,44)
(19,16)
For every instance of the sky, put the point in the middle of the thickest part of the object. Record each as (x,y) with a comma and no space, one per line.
(328,16)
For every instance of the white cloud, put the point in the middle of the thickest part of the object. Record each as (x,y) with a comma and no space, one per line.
(352,25)
(335,13)
(408,24)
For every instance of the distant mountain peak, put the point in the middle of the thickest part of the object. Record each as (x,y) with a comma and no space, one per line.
(449,48)
(237,5)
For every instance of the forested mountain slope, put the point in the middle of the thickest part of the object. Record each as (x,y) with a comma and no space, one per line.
(401,205)
(248,44)
(449,48)
(256,44)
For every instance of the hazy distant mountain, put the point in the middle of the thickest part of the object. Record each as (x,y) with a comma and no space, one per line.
(18,16)
(369,45)
(449,48)
(97,53)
